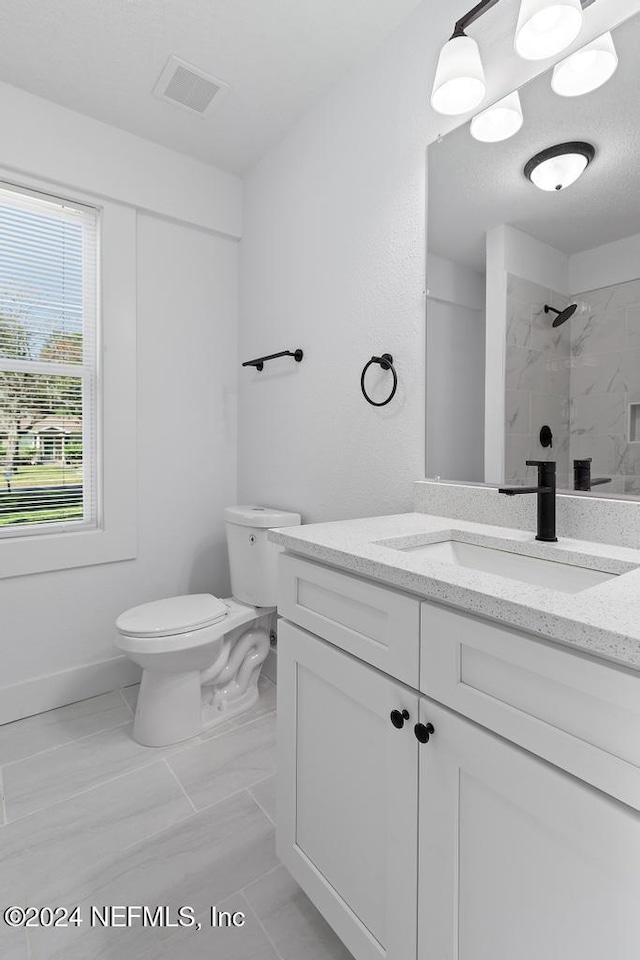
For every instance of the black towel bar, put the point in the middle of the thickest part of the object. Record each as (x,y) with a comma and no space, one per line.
(259,362)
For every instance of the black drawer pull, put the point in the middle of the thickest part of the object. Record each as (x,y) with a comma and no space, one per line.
(398,719)
(423,731)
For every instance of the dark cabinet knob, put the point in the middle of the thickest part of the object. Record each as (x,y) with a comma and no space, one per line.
(423,731)
(398,719)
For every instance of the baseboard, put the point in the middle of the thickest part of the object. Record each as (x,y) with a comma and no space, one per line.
(270,668)
(57,689)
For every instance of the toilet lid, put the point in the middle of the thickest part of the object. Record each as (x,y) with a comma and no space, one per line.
(162,618)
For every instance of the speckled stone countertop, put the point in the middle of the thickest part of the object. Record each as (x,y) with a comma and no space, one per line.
(602,620)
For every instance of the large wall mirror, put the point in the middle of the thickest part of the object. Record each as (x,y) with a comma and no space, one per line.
(533,321)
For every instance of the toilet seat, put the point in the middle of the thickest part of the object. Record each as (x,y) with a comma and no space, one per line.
(181,638)
(175,615)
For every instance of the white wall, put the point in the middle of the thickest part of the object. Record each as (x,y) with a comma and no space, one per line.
(605,266)
(531,259)
(46,140)
(333,261)
(455,371)
(187,277)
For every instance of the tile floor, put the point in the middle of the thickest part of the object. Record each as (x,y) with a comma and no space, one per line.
(88,817)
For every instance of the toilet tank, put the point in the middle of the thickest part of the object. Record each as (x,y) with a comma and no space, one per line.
(253,560)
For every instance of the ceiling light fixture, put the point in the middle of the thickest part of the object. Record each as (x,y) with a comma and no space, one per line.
(557,167)
(547,27)
(499,121)
(586,69)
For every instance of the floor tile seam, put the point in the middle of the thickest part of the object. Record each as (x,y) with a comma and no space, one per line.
(67,743)
(129,847)
(94,786)
(171,826)
(126,702)
(267,873)
(180,784)
(245,789)
(257,918)
(188,745)
(250,789)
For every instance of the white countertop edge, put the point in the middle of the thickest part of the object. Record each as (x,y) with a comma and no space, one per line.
(602,621)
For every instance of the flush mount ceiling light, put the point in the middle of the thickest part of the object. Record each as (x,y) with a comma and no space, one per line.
(556,168)
(586,69)
(499,121)
(547,27)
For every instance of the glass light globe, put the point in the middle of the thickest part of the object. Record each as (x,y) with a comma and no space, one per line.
(459,85)
(499,121)
(547,27)
(586,69)
(558,173)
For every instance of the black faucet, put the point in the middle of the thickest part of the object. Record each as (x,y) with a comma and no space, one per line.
(582,476)
(546,491)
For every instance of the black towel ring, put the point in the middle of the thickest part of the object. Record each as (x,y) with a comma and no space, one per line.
(386,362)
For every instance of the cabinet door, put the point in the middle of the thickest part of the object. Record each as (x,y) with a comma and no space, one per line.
(517,858)
(347,794)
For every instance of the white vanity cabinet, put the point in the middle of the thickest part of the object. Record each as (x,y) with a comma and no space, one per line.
(512,834)
(348,794)
(519,860)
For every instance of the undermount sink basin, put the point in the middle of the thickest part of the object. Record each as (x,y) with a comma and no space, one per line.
(565,577)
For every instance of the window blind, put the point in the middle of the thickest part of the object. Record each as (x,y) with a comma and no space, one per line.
(48,363)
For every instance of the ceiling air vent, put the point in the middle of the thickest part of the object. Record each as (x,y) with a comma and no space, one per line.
(186,86)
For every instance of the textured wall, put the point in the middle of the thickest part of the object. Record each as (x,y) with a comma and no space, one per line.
(333,261)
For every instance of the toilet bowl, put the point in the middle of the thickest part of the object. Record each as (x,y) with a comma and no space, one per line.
(201,656)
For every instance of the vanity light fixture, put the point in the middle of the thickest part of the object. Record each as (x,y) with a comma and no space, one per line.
(557,167)
(499,121)
(547,27)
(586,69)
(459,85)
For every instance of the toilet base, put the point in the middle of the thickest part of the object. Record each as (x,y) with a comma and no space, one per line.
(213,716)
(168,709)
(173,707)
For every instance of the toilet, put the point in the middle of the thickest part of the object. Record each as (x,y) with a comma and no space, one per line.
(201,656)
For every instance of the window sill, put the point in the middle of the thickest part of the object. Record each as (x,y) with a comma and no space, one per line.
(61,551)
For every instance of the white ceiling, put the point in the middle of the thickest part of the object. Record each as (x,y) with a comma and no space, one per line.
(103,58)
(475,186)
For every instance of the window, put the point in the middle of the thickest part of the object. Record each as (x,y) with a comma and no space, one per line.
(48,364)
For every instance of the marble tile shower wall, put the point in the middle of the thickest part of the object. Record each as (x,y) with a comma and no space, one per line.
(537,380)
(605,380)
